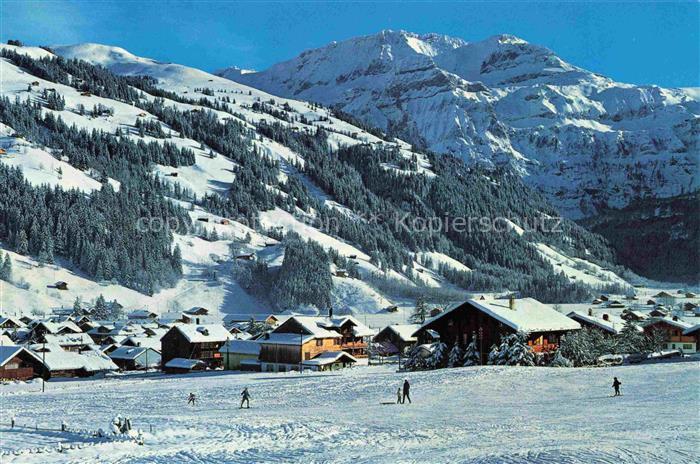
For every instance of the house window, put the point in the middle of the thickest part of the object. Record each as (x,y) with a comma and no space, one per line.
(307,355)
(687,346)
(336,341)
(319,342)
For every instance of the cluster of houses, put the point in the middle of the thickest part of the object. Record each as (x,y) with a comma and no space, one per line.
(68,346)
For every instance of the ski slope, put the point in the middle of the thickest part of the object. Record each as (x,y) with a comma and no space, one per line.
(484,414)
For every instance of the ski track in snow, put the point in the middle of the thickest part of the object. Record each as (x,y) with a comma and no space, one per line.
(482,415)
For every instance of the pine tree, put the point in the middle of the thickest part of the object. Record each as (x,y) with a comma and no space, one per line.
(472,357)
(22,244)
(631,339)
(420,311)
(456,356)
(519,353)
(6,268)
(494,355)
(100,311)
(438,359)
(78,306)
(415,361)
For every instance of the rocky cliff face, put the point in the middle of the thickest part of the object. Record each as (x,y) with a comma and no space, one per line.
(585,141)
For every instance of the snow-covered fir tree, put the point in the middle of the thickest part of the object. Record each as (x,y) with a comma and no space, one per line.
(438,359)
(512,351)
(472,357)
(631,339)
(456,356)
(560,361)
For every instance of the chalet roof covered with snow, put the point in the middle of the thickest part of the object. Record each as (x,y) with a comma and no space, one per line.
(527,315)
(69,339)
(692,330)
(128,352)
(7,352)
(404,331)
(241,347)
(206,333)
(15,321)
(611,326)
(312,325)
(359,329)
(90,361)
(670,321)
(280,338)
(148,342)
(329,357)
(184,363)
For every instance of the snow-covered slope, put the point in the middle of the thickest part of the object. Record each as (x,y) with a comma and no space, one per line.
(209,266)
(584,140)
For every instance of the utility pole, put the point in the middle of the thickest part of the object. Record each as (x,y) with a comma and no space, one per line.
(43,360)
(301,350)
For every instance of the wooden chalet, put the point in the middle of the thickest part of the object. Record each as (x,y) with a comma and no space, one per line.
(10,322)
(489,319)
(61,285)
(674,332)
(303,338)
(18,363)
(130,358)
(241,355)
(396,338)
(141,315)
(192,341)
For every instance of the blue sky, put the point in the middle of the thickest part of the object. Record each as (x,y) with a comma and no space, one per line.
(636,42)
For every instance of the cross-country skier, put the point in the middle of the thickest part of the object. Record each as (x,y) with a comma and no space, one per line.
(191,399)
(245,398)
(398,396)
(616,385)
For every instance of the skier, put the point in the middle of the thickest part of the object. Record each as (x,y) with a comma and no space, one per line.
(245,398)
(191,399)
(616,385)
(406,388)
(398,396)
(12,421)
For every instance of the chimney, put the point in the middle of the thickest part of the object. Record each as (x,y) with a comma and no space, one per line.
(196,320)
(606,317)
(590,311)
(511,302)
(675,318)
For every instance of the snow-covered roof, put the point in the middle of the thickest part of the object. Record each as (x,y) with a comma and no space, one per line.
(55,327)
(328,357)
(527,315)
(691,330)
(316,326)
(12,319)
(359,329)
(141,314)
(184,363)
(69,339)
(285,338)
(404,331)
(128,352)
(148,342)
(205,333)
(5,340)
(241,347)
(609,325)
(669,320)
(7,352)
(90,361)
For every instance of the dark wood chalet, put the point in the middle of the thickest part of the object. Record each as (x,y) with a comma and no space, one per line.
(192,341)
(18,363)
(489,319)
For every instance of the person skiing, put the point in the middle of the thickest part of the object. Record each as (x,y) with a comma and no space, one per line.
(616,385)
(245,398)
(191,399)
(398,396)
(406,392)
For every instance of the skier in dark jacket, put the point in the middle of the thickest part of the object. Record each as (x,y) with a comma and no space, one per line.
(245,398)
(406,391)
(191,399)
(616,385)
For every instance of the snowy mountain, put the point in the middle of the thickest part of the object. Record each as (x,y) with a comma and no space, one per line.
(248,177)
(588,143)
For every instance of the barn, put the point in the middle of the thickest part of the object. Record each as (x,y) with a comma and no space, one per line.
(487,320)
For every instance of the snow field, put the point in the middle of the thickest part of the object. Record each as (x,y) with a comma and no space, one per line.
(483,414)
